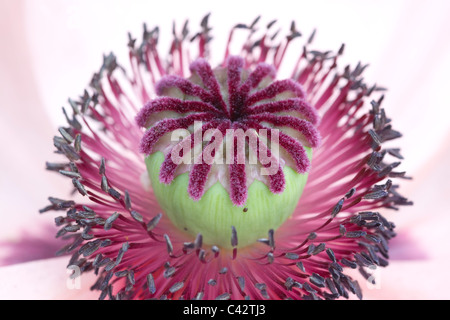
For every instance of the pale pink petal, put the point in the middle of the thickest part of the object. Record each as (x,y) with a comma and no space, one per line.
(29,246)
(44,280)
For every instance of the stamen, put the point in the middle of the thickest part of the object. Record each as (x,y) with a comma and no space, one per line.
(224,296)
(151,283)
(66,135)
(177,286)
(137,216)
(127,200)
(77,143)
(104,184)
(70,174)
(198,241)
(169,244)
(77,184)
(110,221)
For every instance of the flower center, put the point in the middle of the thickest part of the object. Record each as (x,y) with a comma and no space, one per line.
(241,164)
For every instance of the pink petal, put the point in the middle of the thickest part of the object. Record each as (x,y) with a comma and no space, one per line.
(405,280)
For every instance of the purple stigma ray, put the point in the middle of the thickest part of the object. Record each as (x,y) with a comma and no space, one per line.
(168,167)
(296,104)
(302,126)
(261,71)
(171,104)
(277,181)
(275,89)
(203,69)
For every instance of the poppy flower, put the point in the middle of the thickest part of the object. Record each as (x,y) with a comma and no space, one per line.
(162,233)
